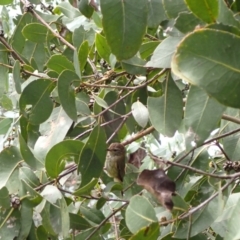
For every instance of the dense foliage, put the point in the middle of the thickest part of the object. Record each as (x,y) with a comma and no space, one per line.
(162,77)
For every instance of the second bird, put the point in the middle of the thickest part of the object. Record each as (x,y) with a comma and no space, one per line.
(115,161)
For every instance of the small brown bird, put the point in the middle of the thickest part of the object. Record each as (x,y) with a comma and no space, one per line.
(115,161)
(159,184)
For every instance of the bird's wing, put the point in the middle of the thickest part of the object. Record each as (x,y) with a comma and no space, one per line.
(121,170)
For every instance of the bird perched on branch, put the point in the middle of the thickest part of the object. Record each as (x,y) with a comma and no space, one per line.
(158,184)
(115,161)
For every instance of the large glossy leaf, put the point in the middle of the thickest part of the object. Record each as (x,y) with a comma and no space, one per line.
(162,109)
(206,10)
(9,160)
(35,102)
(55,214)
(187,22)
(59,63)
(53,131)
(61,152)
(156,13)
(202,114)
(140,113)
(162,55)
(4,198)
(140,213)
(66,92)
(226,16)
(85,8)
(204,59)
(36,32)
(92,156)
(173,8)
(124,24)
(78,222)
(5,125)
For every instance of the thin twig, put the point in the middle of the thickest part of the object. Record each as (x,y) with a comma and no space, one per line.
(160,160)
(116,130)
(231,119)
(105,220)
(14,54)
(139,135)
(207,142)
(222,150)
(195,209)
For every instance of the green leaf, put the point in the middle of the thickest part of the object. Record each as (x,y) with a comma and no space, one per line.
(147,49)
(156,13)
(87,188)
(187,22)
(66,92)
(6,103)
(226,16)
(162,109)
(93,215)
(202,114)
(135,65)
(83,54)
(139,213)
(203,59)
(36,32)
(140,114)
(55,215)
(35,102)
(80,35)
(231,143)
(9,160)
(200,220)
(85,8)
(67,9)
(4,198)
(53,131)
(173,8)
(25,220)
(26,174)
(162,55)
(6,2)
(102,47)
(59,63)
(78,223)
(63,151)
(93,156)
(27,154)
(11,217)
(149,232)
(16,77)
(206,10)
(76,64)
(123,29)
(5,124)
